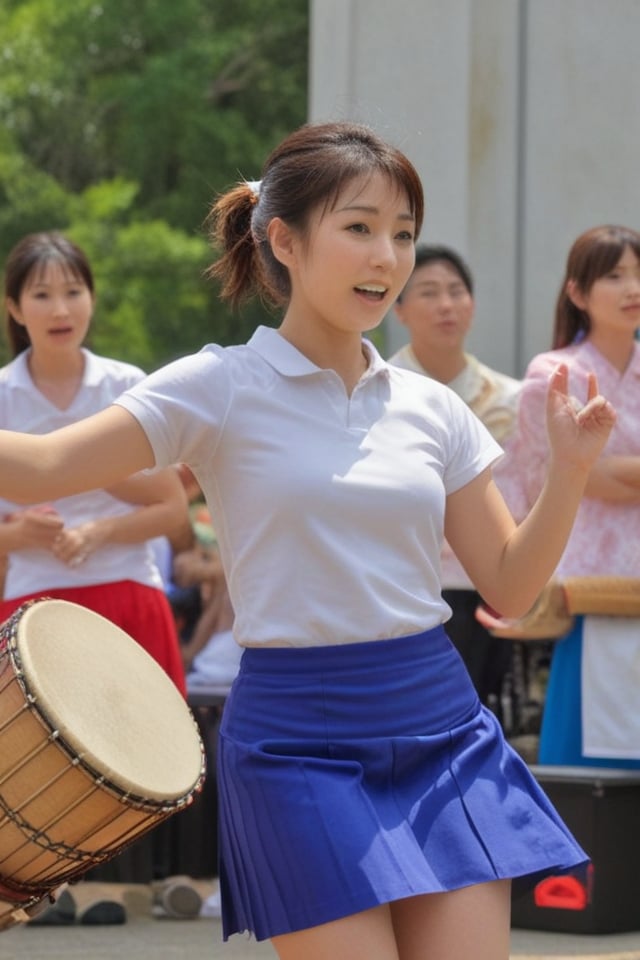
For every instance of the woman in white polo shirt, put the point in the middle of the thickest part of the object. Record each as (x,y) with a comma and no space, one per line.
(93,548)
(369,806)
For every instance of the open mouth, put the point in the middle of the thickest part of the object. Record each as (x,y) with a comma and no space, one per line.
(372,291)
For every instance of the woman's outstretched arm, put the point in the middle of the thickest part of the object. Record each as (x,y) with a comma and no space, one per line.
(95,452)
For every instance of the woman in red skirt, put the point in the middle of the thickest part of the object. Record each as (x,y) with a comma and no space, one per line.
(92,548)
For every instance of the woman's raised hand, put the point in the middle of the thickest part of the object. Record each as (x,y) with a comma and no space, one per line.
(577,433)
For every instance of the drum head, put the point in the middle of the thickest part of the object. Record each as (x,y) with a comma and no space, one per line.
(111,702)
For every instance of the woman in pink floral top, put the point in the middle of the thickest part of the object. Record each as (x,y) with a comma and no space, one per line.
(591,714)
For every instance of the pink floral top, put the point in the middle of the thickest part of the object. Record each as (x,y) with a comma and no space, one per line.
(606,536)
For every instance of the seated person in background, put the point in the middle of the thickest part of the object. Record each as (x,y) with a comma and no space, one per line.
(197,591)
(210,654)
(436,306)
(185,601)
(215,655)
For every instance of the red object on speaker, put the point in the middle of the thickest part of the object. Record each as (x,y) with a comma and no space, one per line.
(600,806)
(563,893)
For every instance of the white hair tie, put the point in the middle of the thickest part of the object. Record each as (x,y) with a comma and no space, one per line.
(254,186)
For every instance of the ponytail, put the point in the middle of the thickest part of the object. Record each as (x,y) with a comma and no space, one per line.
(230,231)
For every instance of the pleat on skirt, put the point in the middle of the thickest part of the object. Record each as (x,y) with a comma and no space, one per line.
(354,775)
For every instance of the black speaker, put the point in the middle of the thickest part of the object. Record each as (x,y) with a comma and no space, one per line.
(601,807)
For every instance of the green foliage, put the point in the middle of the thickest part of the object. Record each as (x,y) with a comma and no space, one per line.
(30,198)
(119,123)
(152,301)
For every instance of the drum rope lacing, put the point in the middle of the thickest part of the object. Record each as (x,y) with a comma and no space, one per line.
(141,803)
(81,859)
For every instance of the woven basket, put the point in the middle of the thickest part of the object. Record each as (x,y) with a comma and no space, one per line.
(553,613)
(603,596)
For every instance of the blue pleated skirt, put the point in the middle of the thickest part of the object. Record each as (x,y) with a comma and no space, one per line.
(354,775)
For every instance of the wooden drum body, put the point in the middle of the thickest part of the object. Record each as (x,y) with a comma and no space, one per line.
(97,746)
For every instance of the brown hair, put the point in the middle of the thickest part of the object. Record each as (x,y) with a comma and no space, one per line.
(31,255)
(595,253)
(306,172)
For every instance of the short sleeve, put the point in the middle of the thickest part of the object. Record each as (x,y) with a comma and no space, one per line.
(182,407)
(470,446)
(520,474)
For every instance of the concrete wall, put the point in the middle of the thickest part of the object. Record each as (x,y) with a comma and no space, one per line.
(522,120)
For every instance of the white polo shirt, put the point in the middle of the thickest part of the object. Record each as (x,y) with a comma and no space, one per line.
(26,409)
(493,397)
(328,508)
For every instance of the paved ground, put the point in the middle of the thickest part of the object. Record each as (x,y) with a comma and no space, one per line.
(145,937)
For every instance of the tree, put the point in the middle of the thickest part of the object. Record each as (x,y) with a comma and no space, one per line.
(136,113)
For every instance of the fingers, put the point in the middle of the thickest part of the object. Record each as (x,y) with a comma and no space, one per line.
(37,529)
(77,560)
(559,379)
(598,410)
(69,551)
(41,521)
(45,509)
(69,548)
(51,520)
(559,383)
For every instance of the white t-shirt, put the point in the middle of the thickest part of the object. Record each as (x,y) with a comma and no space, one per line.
(26,409)
(328,508)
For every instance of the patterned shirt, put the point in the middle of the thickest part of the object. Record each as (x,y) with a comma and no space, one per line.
(606,536)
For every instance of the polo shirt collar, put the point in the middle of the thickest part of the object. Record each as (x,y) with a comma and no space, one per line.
(19,378)
(93,372)
(288,361)
(17,373)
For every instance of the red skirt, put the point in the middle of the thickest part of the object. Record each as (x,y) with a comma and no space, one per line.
(141,611)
